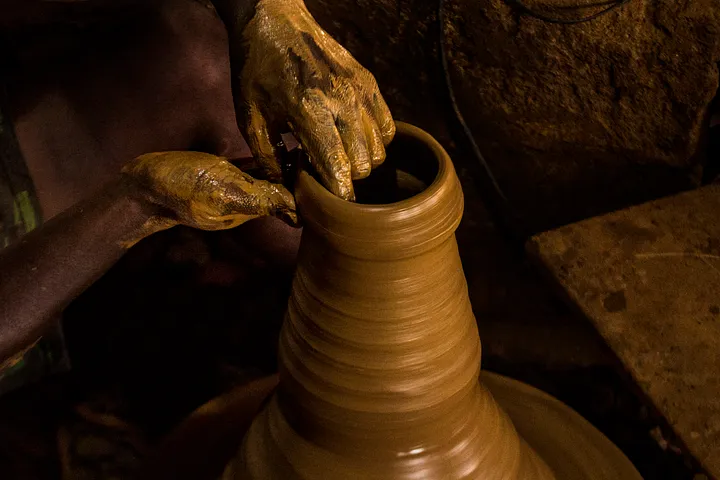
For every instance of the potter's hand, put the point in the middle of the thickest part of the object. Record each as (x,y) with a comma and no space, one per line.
(296,74)
(204,191)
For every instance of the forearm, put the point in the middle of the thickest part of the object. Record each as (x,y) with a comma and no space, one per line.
(49,267)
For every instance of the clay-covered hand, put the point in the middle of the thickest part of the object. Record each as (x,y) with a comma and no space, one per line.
(295,74)
(204,191)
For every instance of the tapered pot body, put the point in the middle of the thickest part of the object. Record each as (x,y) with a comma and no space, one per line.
(379,352)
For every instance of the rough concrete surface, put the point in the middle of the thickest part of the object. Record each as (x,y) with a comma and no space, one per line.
(648,278)
(574,120)
(580,119)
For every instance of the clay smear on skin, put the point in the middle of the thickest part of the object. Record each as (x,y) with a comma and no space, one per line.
(403,402)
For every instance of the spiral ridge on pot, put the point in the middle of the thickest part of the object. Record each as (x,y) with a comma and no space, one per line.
(390,230)
(379,352)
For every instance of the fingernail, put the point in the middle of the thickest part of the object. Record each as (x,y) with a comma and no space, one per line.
(344,191)
(361,171)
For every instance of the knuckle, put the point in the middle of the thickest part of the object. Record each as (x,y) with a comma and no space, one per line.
(310,97)
(337,164)
(387,130)
(370,82)
(361,170)
(365,81)
(335,156)
(348,92)
(378,156)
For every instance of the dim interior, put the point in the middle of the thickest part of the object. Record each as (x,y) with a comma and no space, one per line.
(409,168)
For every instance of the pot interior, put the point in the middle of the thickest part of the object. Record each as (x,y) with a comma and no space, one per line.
(409,168)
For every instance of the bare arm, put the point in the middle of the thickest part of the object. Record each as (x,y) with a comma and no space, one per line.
(49,267)
(52,265)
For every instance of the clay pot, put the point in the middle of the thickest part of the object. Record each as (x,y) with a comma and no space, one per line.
(380,353)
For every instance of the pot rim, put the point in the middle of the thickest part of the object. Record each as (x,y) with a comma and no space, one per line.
(392,230)
(402,129)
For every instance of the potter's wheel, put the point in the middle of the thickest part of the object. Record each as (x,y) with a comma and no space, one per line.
(568,443)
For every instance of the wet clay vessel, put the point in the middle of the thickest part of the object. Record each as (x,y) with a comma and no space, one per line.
(379,353)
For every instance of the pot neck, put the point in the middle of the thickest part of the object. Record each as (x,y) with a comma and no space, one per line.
(394,230)
(380,344)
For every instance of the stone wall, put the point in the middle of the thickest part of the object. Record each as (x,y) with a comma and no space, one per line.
(573,119)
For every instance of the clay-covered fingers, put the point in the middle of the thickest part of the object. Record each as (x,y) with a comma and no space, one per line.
(317,131)
(260,141)
(376,144)
(377,120)
(305,77)
(206,191)
(351,126)
(375,103)
(242,197)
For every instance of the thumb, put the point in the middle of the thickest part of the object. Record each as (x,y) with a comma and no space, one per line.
(269,199)
(282,205)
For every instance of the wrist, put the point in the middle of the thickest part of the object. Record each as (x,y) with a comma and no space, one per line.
(135,198)
(144,216)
